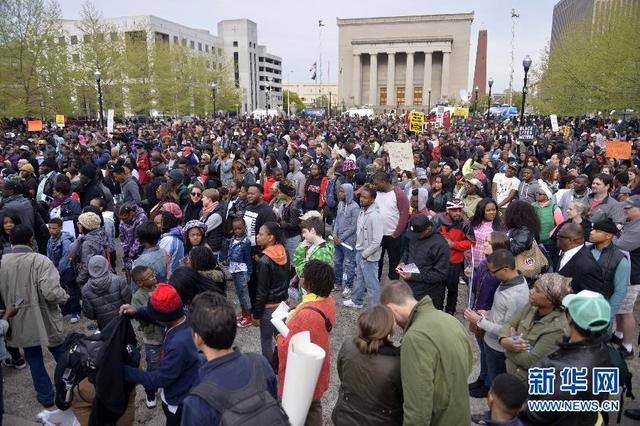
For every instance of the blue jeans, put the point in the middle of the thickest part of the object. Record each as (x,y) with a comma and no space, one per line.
(39,375)
(495,362)
(366,277)
(290,246)
(152,357)
(341,256)
(240,280)
(267,330)
(484,376)
(68,282)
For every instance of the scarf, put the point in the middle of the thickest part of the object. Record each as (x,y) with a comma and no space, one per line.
(207,210)
(309,297)
(58,201)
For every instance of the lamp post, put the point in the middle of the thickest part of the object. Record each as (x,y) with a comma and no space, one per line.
(489,99)
(98,81)
(268,100)
(214,87)
(429,102)
(526,64)
(475,103)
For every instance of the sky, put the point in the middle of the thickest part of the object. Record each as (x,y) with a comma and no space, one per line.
(289,28)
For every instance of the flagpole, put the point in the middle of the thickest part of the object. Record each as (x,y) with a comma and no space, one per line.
(320,25)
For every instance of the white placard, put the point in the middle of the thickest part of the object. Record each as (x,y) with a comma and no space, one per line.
(304,362)
(554,122)
(68,226)
(110,121)
(400,155)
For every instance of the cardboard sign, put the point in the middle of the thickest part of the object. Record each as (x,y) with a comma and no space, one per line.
(34,126)
(526,133)
(554,122)
(416,120)
(446,119)
(461,112)
(60,120)
(400,155)
(566,131)
(110,121)
(618,149)
(439,115)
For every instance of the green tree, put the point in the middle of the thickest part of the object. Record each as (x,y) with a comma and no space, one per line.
(593,67)
(289,96)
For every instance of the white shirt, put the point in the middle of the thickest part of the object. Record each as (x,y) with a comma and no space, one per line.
(504,185)
(388,205)
(566,257)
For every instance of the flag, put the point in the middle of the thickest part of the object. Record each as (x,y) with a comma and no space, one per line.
(312,70)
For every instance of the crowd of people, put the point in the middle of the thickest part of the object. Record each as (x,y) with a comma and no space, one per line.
(152,221)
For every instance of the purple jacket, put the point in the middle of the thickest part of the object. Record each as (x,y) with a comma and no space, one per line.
(484,286)
(130,244)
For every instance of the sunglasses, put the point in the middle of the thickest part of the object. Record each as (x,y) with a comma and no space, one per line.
(197,194)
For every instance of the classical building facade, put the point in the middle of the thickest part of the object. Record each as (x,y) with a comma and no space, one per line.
(309,92)
(403,62)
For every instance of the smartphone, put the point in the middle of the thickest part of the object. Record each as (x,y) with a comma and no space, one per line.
(18,302)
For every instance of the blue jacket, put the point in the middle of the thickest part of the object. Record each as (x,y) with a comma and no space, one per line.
(102,159)
(231,371)
(240,252)
(346,222)
(156,259)
(178,366)
(172,243)
(58,251)
(70,209)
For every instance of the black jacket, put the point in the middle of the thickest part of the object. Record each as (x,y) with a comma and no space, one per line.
(586,274)
(290,221)
(273,284)
(431,256)
(192,211)
(89,192)
(589,353)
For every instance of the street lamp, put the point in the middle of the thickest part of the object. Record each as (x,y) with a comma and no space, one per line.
(429,102)
(268,87)
(526,64)
(489,99)
(98,81)
(475,103)
(214,87)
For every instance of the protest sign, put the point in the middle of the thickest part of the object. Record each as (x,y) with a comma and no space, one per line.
(416,120)
(526,133)
(618,149)
(446,119)
(566,131)
(60,120)
(110,121)
(400,155)
(461,112)
(34,125)
(554,122)
(439,115)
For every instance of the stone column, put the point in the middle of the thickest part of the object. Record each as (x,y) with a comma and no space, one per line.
(357,78)
(408,87)
(444,90)
(391,80)
(373,79)
(426,85)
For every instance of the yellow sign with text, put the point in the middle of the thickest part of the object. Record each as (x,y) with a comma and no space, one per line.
(416,120)
(461,112)
(60,120)
(566,131)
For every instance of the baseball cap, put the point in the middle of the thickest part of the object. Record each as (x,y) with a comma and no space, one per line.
(421,173)
(418,225)
(456,203)
(475,182)
(588,153)
(624,190)
(24,148)
(514,165)
(588,309)
(633,201)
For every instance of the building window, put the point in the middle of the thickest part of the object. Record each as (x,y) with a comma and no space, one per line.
(75,58)
(235,44)
(400,95)
(184,42)
(219,51)
(87,38)
(114,36)
(100,38)
(200,46)
(192,45)
(175,39)
(61,39)
(383,96)
(417,95)
(206,48)
(74,39)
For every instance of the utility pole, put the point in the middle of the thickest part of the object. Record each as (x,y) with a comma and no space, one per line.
(320,25)
(514,15)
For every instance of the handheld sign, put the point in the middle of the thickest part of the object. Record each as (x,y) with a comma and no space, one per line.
(416,120)
(34,125)
(400,155)
(618,149)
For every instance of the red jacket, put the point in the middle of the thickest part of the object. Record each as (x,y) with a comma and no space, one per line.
(143,164)
(460,233)
(312,321)
(267,188)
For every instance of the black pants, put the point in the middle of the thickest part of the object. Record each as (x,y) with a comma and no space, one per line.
(172,419)
(453,280)
(434,291)
(393,247)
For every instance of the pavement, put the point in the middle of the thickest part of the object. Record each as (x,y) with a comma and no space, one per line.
(22,408)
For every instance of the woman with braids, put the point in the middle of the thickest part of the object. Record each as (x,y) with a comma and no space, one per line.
(369,371)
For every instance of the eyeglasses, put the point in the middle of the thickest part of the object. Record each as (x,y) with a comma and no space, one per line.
(197,194)
(496,271)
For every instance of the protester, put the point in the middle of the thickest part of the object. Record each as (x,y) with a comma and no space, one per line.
(152,256)
(212,215)
(193,234)
(506,398)
(171,240)
(131,217)
(91,242)
(344,238)
(240,268)
(58,250)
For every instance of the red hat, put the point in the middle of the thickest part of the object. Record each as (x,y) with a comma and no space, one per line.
(165,304)
(172,208)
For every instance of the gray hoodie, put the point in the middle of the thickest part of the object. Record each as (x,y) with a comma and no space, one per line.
(346,222)
(297,178)
(104,293)
(369,233)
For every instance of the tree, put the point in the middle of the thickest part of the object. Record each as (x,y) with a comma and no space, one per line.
(593,67)
(289,96)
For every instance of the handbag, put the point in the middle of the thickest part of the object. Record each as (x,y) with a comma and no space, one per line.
(531,262)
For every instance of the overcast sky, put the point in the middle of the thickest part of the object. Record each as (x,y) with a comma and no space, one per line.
(290,28)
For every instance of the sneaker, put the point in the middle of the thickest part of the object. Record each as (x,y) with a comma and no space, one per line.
(337,288)
(244,322)
(18,365)
(615,339)
(625,353)
(479,392)
(150,400)
(74,318)
(346,292)
(350,304)
(478,419)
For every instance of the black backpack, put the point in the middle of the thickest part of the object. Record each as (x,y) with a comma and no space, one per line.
(247,406)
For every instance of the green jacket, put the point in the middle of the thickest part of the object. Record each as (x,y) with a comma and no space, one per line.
(542,334)
(435,362)
(151,334)
(323,252)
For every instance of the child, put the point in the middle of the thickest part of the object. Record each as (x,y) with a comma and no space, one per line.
(313,246)
(58,249)
(104,292)
(91,242)
(240,268)
(344,232)
(177,370)
(152,256)
(145,280)
(193,234)
(109,227)
(506,399)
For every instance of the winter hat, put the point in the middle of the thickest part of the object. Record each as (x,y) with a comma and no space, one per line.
(88,171)
(176,175)
(607,226)
(165,304)
(98,266)
(194,224)
(27,168)
(172,208)
(349,165)
(89,221)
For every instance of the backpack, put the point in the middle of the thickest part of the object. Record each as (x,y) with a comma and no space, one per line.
(330,195)
(624,376)
(247,406)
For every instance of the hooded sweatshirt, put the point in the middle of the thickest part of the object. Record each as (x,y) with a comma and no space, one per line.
(346,222)
(171,242)
(272,271)
(104,293)
(297,177)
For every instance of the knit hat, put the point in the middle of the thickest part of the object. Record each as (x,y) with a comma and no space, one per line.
(89,171)
(165,304)
(588,309)
(349,165)
(89,221)
(194,224)
(172,208)
(176,175)
(98,266)
(27,168)
(607,226)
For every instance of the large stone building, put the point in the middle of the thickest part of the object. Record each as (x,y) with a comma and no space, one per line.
(235,44)
(309,92)
(403,62)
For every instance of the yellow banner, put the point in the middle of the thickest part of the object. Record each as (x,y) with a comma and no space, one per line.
(416,120)
(60,119)
(566,131)
(461,112)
